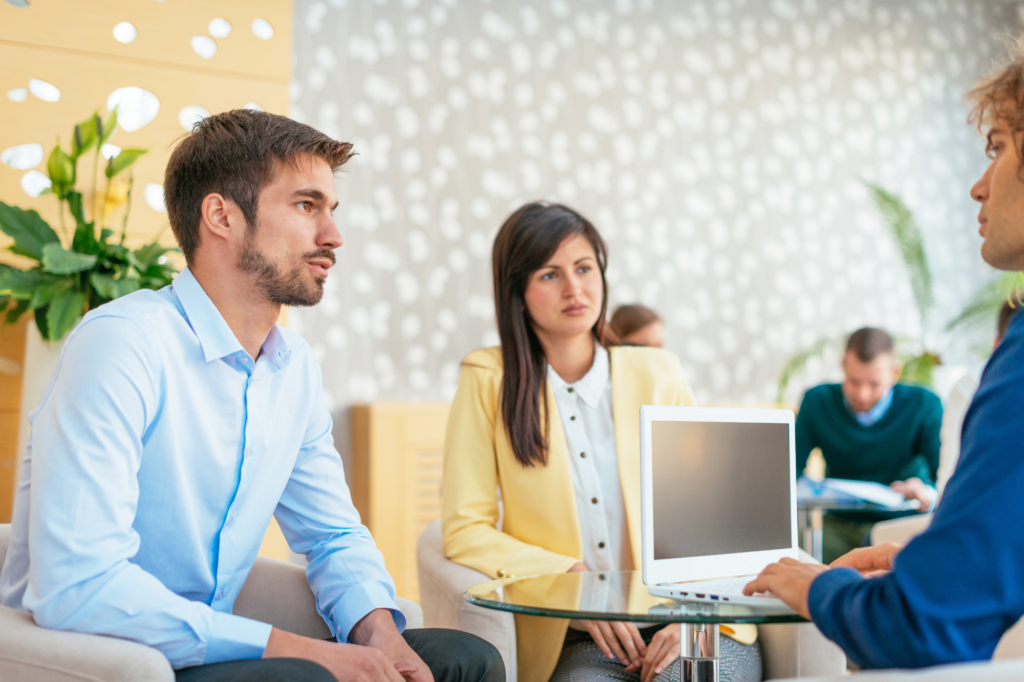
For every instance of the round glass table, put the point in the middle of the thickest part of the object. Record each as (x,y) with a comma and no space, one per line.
(622,595)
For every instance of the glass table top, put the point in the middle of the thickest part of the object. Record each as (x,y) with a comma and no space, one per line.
(619,595)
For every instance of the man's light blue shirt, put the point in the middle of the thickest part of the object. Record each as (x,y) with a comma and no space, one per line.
(158,455)
(875,414)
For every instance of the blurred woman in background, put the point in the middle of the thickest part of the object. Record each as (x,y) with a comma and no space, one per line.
(637,325)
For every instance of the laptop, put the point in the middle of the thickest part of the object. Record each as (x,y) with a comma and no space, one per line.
(718,500)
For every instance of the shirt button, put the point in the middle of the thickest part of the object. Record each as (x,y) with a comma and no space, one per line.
(248,452)
(600,545)
(220,595)
(572,419)
(570,389)
(583,454)
(501,573)
(229,522)
(594,500)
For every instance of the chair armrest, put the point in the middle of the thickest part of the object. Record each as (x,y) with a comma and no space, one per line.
(278,593)
(29,653)
(798,650)
(442,584)
(901,530)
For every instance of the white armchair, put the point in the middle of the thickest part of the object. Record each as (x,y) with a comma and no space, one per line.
(788,650)
(275,592)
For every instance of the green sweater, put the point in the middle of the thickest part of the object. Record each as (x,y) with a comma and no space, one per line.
(902,444)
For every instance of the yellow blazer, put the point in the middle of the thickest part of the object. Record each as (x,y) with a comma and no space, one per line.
(540,529)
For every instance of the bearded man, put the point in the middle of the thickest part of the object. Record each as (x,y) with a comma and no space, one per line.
(179,421)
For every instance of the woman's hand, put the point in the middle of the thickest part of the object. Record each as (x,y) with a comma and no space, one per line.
(615,639)
(664,649)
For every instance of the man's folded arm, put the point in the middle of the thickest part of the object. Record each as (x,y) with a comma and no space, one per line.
(346,570)
(86,453)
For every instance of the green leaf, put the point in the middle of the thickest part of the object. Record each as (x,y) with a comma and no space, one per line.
(44,329)
(910,244)
(109,126)
(123,160)
(59,261)
(150,253)
(20,284)
(29,232)
(85,136)
(109,287)
(74,200)
(61,169)
(47,289)
(920,369)
(15,313)
(105,234)
(798,363)
(63,312)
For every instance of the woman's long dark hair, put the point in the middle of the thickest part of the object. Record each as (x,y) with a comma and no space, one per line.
(526,241)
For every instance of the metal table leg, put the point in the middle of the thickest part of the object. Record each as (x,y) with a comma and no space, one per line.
(817,532)
(698,652)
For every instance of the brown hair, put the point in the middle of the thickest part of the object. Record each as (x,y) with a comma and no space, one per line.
(868,343)
(631,318)
(526,241)
(235,154)
(990,97)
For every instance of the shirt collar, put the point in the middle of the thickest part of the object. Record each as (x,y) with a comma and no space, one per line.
(875,414)
(215,336)
(591,387)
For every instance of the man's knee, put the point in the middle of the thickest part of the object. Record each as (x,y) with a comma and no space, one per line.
(455,656)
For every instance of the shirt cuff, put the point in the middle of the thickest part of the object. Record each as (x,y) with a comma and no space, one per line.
(234,638)
(824,592)
(358,601)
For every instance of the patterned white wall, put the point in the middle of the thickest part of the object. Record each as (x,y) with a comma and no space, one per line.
(718,146)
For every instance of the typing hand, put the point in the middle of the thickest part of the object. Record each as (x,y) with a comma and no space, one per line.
(349,662)
(914,489)
(789,580)
(615,639)
(870,561)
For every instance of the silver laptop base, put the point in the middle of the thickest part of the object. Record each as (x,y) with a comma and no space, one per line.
(698,652)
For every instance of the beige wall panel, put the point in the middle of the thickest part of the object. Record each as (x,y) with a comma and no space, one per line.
(85,82)
(165,30)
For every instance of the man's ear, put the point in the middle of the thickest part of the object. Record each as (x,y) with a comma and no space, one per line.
(221,217)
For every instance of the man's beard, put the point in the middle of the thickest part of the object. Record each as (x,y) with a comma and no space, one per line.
(297,287)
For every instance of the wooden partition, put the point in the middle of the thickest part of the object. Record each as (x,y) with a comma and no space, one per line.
(396,479)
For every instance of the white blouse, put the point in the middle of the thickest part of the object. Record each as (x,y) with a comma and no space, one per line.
(585,409)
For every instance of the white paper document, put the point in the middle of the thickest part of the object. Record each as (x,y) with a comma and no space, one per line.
(845,489)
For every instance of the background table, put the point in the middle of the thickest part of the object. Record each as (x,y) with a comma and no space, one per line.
(623,596)
(811,513)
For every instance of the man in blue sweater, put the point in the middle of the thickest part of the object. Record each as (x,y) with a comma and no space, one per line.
(952,592)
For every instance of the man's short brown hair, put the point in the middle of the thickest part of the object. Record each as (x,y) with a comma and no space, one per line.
(868,343)
(235,154)
(1000,96)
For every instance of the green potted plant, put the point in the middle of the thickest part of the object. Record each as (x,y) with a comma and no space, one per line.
(918,357)
(82,268)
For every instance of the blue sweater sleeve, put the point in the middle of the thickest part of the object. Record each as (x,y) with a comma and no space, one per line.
(956,588)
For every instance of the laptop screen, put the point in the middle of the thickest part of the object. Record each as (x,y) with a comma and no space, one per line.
(719,488)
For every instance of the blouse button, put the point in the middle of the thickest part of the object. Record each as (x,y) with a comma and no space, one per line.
(501,573)
(570,389)
(600,545)
(594,500)
(573,418)
(583,454)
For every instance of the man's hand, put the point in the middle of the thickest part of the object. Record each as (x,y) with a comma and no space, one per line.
(915,489)
(348,662)
(377,630)
(870,561)
(789,580)
(615,639)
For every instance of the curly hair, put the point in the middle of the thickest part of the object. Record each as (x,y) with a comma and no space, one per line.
(1000,97)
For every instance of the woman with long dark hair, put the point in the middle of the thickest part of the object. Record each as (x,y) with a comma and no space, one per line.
(551,419)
